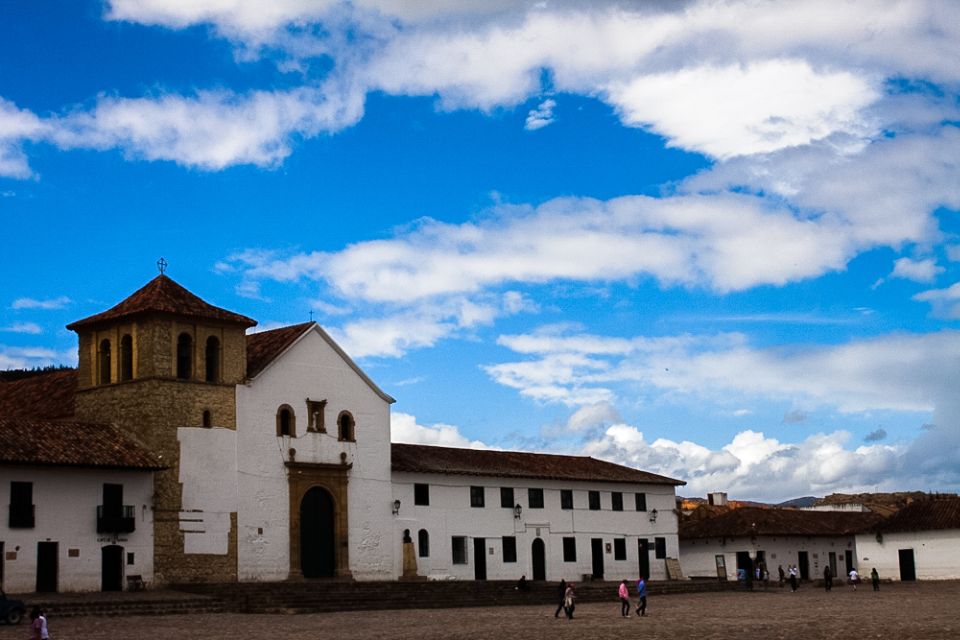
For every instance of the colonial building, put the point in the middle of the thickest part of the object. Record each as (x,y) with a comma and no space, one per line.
(269,457)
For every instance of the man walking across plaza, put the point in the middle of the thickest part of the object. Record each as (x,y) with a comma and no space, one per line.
(642,592)
(854,577)
(875,579)
(827,578)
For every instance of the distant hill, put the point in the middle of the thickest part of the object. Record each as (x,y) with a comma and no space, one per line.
(799,503)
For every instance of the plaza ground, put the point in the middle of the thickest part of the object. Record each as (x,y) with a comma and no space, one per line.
(902,611)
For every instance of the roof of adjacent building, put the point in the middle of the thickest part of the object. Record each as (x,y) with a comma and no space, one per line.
(69,443)
(924,515)
(163,295)
(265,346)
(415,458)
(46,395)
(752,521)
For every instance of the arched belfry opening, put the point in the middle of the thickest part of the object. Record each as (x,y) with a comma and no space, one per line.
(184,356)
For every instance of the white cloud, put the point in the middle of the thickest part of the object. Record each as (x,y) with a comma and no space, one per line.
(405,428)
(49,304)
(23,327)
(592,416)
(945,302)
(16,126)
(916,270)
(541,116)
(34,357)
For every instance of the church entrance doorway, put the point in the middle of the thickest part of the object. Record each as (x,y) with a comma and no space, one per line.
(539,553)
(317,534)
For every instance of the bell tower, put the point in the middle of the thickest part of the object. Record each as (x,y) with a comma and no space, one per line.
(159,361)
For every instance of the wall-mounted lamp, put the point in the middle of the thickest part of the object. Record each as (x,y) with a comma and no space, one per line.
(653,516)
(396,507)
(517,510)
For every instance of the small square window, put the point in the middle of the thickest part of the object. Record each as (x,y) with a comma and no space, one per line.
(506,497)
(641,501)
(459,550)
(421,494)
(594,497)
(619,549)
(476,497)
(130,558)
(660,544)
(616,499)
(509,549)
(535,498)
(569,549)
(566,498)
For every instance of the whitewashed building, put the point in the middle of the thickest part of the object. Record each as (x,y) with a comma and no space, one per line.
(919,542)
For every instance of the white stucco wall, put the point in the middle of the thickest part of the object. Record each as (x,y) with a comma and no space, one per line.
(311,369)
(936,554)
(208,475)
(450,514)
(698,557)
(65,512)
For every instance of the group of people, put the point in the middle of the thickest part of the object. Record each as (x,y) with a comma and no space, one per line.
(568,599)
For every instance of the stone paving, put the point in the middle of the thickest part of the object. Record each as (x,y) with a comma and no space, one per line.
(899,611)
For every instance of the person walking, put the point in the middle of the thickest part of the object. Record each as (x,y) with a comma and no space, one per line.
(782,575)
(827,578)
(38,625)
(569,601)
(561,595)
(793,577)
(642,592)
(854,577)
(624,594)
(875,579)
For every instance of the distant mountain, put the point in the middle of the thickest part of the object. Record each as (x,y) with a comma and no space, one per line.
(799,503)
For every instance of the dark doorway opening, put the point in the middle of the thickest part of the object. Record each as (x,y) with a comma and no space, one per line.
(317,539)
(908,570)
(479,558)
(848,559)
(803,564)
(539,553)
(744,566)
(833,564)
(111,568)
(643,552)
(596,550)
(47,567)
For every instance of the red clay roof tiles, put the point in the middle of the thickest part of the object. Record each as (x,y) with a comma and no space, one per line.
(925,515)
(47,395)
(163,295)
(750,521)
(263,347)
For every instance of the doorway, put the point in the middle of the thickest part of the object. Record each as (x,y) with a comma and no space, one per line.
(833,563)
(479,558)
(538,551)
(596,550)
(47,567)
(111,568)
(848,558)
(643,552)
(908,569)
(317,538)
(803,564)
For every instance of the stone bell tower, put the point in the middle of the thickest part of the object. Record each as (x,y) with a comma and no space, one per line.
(159,361)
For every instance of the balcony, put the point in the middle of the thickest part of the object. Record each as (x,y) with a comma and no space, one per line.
(116,519)
(21,516)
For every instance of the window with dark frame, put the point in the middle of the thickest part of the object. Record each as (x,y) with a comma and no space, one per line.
(569,549)
(286,421)
(509,549)
(506,497)
(346,431)
(660,545)
(21,505)
(641,500)
(421,494)
(476,497)
(459,544)
(566,498)
(535,498)
(616,501)
(594,500)
(423,543)
(619,548)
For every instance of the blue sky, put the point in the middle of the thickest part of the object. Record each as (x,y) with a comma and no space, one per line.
(713,240)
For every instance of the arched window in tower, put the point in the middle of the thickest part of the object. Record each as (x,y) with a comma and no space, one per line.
(104,356)
(286,421)
(213,359)
(126,357)
(345,427)
(184,356)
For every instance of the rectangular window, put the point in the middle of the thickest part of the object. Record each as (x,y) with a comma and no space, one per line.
(315,420)
(509,549)
(21,505)
(476,497)
(535,498)
(594,501)
(506,497)
(569,549)
(421,494)
(641,501)
(660,544)
(619,548)
(566,498)
(616,501)
(459,550)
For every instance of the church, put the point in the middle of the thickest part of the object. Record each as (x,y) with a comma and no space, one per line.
(185,448)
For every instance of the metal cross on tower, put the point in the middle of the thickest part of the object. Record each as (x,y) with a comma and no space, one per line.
(162,265)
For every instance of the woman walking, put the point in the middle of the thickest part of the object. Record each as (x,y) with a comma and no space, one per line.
(624,595)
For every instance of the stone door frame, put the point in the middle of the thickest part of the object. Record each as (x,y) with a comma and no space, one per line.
(303,476)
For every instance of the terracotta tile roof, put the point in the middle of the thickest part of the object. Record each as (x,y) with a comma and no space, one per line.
(163,295)
(47,396)
(417,458)
(751,521)
(264,346)
(924,515)
(80,444)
